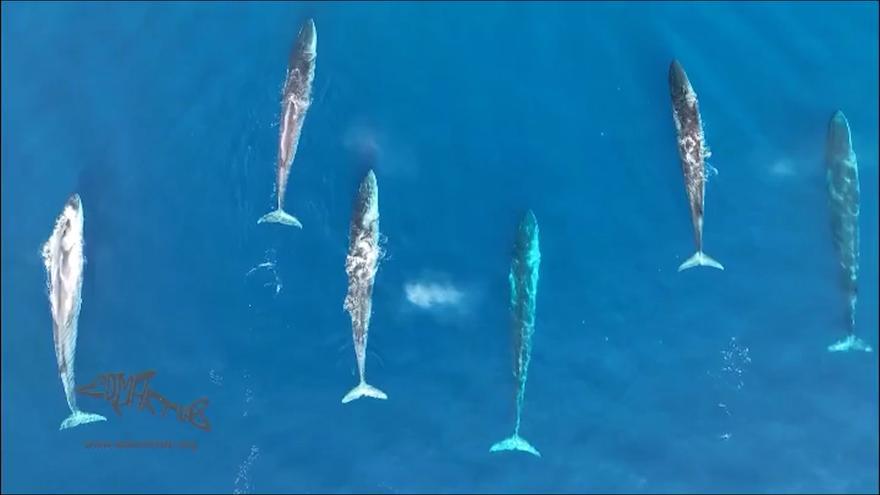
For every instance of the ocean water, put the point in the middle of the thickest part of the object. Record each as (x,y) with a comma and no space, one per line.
(164,118)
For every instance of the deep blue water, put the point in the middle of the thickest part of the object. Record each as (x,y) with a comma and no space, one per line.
(163,117)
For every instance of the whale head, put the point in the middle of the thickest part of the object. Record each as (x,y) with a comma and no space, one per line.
(307,41)
(679,85)
(369,194)
(839,141)
(70,223)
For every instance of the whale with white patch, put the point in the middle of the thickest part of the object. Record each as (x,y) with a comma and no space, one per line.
(693,152)
(360,266)
(295,101)
(64,260)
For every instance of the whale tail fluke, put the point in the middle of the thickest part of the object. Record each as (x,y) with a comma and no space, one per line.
(700,259)
(77,418)
(363,389)
(515,442)
(280,216)
(850,343)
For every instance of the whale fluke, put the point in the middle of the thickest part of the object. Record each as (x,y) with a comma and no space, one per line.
(364,389)
(77,418)
(280,216)
(515,442)
(700,259)
(850,343)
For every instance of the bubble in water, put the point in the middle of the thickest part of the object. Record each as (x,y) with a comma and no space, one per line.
(710,172)
(735,360)
(248,394)
(216,378)
(248,398)
(266,270)
(242,480)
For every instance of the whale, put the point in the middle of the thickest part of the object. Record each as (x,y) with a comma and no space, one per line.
(523,279)
(360,266)
(842,177)
(64,261)
(693,152)
(296,99)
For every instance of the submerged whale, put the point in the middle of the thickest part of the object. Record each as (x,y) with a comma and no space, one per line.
(295,101)
(360,266)
(523,294)
(693,152)
(843,199)
(64,261)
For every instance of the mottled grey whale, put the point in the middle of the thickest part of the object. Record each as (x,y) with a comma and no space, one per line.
(360,266)
(843,199)
(523,278)
(693,152)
